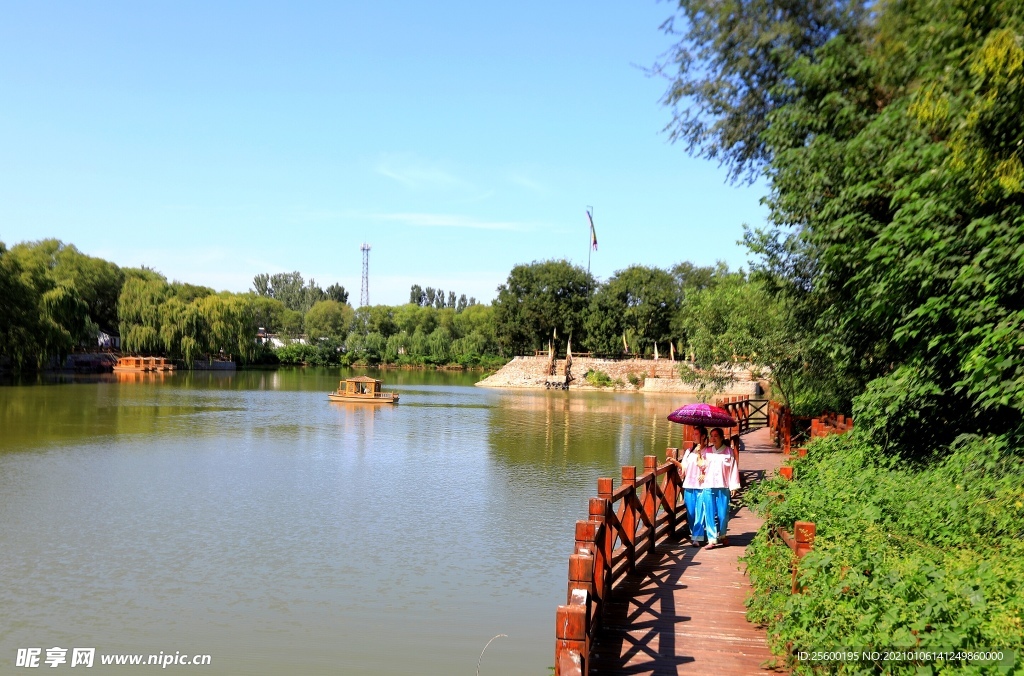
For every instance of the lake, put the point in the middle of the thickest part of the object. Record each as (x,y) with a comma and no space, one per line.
(243,516)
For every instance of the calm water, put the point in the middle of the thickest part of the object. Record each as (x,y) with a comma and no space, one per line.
(245,517)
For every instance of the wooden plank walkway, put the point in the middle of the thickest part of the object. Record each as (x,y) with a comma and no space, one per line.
(684,612)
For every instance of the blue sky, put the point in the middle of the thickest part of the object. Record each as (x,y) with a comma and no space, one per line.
(215,141)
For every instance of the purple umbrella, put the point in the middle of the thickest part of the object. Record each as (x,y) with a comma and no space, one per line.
(702,414)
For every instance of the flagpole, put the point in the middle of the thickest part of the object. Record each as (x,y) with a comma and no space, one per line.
(590,245)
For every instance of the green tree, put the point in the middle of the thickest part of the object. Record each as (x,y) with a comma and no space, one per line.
(375,318)
(638,302)
(19,316)
(337,293)
(49,263)
(538,301)
(138,308)
(893,150)
(328,319)
(409,317)
(727,70)
(291,322)
(293,291)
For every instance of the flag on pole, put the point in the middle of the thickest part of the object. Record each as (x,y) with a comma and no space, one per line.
(593,233)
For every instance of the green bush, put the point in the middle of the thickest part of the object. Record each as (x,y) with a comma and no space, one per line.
(598,378)
(325,353)
(906,555)
(635,379)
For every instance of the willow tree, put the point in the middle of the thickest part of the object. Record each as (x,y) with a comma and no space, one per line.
(138,309)
(50,263)
(183,330)
(231,320)
(19,314)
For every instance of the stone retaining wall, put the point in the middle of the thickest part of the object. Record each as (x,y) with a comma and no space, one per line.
(660,375)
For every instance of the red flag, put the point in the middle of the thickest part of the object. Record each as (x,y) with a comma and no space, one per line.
(593,234)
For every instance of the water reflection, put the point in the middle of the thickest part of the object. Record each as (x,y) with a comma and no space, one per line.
(245,516)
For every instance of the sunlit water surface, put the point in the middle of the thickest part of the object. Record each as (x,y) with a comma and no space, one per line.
(246,517)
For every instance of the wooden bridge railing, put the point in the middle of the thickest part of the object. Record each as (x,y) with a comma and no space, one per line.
(788,429)
(800,542)
(624,526)
(830,423)
(749,414)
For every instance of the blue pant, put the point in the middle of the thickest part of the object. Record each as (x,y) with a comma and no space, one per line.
(690,500)
(713,509)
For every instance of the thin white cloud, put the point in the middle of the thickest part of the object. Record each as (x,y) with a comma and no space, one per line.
(413,219)
(528,183)
(421,220)
(417,174)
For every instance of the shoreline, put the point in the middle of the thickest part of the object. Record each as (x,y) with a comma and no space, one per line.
(644,376)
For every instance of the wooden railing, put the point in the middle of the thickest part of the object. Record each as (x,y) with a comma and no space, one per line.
(749,414)
(801,542)
(624,526)
(788,430)
(830,423)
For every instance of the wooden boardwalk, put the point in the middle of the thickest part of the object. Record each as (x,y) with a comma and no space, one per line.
(682,611)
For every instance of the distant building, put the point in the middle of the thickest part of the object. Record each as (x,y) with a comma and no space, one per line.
(275,341)
(108,339)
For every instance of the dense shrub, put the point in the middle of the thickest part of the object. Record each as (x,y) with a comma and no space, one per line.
(928,555)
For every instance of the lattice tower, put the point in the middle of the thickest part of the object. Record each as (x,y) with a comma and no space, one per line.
(364,294)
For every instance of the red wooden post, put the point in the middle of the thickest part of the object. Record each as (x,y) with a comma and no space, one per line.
(787,429)
(651,498)
(571,643)
(672,490)
(629,517)
(801,452)
(586,544)
(599,508)
(803,533)
(786,472)
(581,575)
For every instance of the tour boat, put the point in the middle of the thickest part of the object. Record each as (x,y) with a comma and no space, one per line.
(363,389)
(143,364)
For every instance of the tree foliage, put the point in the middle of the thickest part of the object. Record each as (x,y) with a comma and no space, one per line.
(727,70)
(540,301)
(892,143)
(636,306)
(327,319)
(295,293)
(894,152)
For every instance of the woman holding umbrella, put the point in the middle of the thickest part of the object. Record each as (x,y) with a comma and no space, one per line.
(710,474)
(721,478)
(692,469)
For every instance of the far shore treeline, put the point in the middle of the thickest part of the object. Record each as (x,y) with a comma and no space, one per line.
(55,298)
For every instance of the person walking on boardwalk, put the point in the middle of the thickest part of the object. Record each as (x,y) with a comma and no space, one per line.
(692,468)
(721,477)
